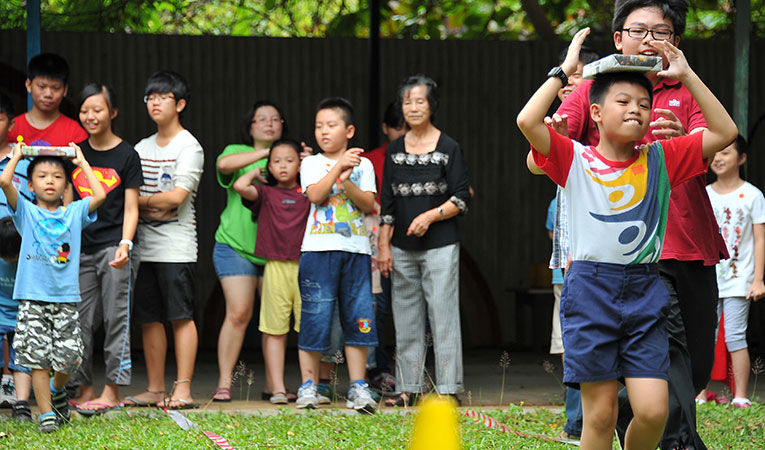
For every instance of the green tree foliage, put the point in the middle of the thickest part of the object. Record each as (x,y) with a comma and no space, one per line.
(418,19)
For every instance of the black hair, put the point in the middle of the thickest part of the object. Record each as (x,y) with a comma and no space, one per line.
(741,146)
(6,106)
(674,10)
(165,81)
(393,117)
(343,106)
(586,55)
(604,81)
(279,142)
(48,65)
(10,240)
(55,160)
(431,91)
(92,89)
(246,126)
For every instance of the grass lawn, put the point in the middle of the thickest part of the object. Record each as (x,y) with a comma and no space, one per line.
(720,426)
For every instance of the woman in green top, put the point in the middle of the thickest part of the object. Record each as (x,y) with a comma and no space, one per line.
(240,273)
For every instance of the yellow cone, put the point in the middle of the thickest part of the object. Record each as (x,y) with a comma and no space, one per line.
(435,426)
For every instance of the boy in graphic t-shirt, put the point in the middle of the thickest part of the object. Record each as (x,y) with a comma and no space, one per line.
(613,301)
(47,82)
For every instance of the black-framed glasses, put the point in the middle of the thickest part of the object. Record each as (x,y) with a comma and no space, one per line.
(641,33)
(160,97)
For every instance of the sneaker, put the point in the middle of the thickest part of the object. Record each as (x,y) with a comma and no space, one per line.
(307,396)
(60,402)
(48,423)
(741,402)
(20,411)
(324,393)
(7,392)
(360,398)
(563,436)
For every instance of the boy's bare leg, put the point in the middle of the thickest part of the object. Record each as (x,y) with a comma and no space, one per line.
(599,412)
(649,398)
(41,383)
(186,341)
(309,365)
(59,380)
(23,383)
(154,351)
(357,362)
(274,348)
(741,365)
(239,292)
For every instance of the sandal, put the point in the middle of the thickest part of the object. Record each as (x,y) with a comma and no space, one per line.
(741,402)
(184,403)
(222,394)
(279,398)
(291,396)
(403,399)
(137,402)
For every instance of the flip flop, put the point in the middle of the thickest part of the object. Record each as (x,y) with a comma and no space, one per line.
(222,394)
(291,396)
(103,408)
(137,402)
(184,404)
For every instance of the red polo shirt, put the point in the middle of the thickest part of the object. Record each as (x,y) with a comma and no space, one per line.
(692,231)
(377,156)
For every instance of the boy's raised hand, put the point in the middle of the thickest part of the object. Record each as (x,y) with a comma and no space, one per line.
(79,158)
(572,57)
(678,65)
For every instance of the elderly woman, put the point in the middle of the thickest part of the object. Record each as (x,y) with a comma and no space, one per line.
(425,186)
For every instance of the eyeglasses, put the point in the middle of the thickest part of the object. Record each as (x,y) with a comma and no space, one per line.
(160,97)
(641,33)
(265,120)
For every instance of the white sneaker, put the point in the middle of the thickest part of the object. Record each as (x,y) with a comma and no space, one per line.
(360,398)
(323,399)
(307,396)
(7,391)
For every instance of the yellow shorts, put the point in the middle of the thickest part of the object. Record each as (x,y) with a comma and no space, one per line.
(281,296)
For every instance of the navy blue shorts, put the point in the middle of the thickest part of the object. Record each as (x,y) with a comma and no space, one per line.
(335,276)
(614,322)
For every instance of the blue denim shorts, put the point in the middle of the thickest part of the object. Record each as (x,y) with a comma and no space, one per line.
(326,278)
(229,263)
(9,333)
(614,322)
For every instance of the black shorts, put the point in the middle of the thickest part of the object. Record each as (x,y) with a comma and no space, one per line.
(164,291)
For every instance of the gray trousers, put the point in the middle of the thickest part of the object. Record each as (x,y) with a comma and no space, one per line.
(427,279)
(106,297)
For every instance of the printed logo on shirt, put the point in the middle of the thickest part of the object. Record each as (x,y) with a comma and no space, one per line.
(632,199)
(674,102)
(108,177)
(51,242)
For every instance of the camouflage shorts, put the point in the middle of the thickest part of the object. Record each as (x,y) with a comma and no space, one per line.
(48,336)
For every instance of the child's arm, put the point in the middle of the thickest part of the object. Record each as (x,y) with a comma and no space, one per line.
(99,194)
(231,163)
(364,200)
(243,185)
(531,118)
(318,192)
(721,130)
(6,178)
(757,290)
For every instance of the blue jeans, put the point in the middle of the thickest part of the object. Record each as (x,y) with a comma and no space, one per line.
(573,412)
(327,278)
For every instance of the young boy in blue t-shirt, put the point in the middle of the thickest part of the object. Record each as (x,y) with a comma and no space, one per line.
(613,302)
(47,282)
(335,262)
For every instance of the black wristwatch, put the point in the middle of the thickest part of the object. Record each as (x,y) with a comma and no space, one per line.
(557,71)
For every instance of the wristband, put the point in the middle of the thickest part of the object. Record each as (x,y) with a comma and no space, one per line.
(441,211)
(128,242)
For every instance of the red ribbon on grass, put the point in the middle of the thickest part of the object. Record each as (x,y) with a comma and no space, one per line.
(490,422)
